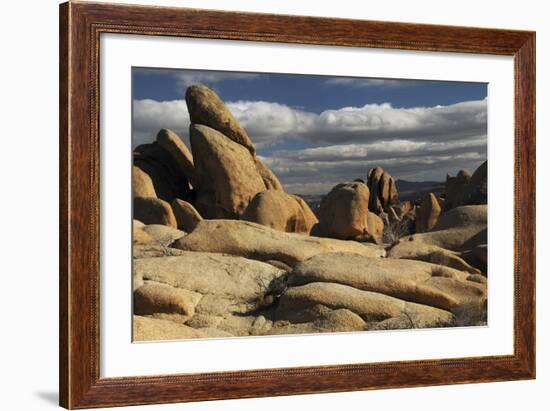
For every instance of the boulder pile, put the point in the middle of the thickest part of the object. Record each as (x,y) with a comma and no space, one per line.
(220,249)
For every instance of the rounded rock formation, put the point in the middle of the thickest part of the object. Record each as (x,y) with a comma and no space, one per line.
(186,215)
(226,174)
(142,185)
(207,108)
(280,211)
(344,214)
(154,211)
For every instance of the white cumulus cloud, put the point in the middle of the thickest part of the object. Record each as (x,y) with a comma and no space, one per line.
(268,122)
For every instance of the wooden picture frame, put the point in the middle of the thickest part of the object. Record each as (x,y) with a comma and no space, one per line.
(80,27)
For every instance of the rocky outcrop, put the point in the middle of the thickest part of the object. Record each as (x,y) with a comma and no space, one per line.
(226,172)
(262,243)
(413,281)
(459,229)
(454,188)
(428,213)
(344,214)
(255,265)
(466,189)
(187,217)
(179,152)
(205,107)
(383,191)
(154,211)
(280,211)
(476,190)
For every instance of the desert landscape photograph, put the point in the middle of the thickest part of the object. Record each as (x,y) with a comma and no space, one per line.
(276,204)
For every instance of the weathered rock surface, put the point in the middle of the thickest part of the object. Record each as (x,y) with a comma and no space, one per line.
(370,306)
(280,211)
(142,184)
(154,211)
(340,320)
(139,236)
(428,213)
(187,217)
(412,250)
(459,229)
(154,249)
(163,234)
(236,325)
(226,173)
(151,329)
(153,298)
(414,281)
(207,108)
(228,284)
(383,191)
(344,214)
(262,243)
(179,152)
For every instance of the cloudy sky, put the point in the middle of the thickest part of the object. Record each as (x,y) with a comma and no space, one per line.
(317,131)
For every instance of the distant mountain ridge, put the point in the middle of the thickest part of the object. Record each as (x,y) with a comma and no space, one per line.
(413,190)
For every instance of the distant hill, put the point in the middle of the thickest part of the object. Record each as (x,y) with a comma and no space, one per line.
(413,190)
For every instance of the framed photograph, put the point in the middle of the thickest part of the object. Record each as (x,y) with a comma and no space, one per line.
(260,205)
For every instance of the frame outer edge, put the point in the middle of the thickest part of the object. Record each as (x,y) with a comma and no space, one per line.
(64,103)
(80,385)
(526,181)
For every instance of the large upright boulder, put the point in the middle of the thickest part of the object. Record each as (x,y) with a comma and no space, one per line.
(281,211)
(207,108)
(259,242)
(226,173)
(344,214)
(142,185)
(179,152)
(428,213)
(383,191)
